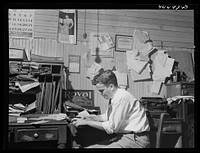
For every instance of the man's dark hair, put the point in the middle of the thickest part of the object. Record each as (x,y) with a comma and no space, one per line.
(106,77)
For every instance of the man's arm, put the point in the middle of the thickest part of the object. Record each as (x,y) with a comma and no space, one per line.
(99,118)
(95,124)
(79,121)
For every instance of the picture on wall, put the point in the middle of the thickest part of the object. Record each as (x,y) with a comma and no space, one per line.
(123,43)
(74,63)
(67,26)
(103,42)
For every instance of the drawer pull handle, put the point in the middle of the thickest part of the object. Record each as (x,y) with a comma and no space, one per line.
(35,135)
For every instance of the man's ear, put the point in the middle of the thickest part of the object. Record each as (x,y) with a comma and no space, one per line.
(112,86)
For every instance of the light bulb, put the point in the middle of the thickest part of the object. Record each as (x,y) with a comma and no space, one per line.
(85,39)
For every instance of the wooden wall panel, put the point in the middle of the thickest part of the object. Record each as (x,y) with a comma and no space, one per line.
(173,29)
(149,20)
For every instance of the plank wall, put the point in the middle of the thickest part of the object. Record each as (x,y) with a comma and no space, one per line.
(169,29)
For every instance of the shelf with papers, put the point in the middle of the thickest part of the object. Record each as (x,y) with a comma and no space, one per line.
(41,81)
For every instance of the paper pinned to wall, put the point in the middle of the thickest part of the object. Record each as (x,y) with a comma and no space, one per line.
(142,42)
(169,64)
(161,73)
(160,58)
(135,64)
(163,66)
(93,70)
(144,75)
(156,86)
(121,78)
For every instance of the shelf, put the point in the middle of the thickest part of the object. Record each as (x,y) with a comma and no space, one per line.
(48,93)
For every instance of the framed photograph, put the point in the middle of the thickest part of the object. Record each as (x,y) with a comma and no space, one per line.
(67,26)
(123,43)
(74,63)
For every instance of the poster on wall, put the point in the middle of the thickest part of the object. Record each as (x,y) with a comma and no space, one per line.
(79,97)
(67,26)
(74,63)
(21,23)
(104,42)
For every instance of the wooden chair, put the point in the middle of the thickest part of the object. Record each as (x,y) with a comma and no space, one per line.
(169,134)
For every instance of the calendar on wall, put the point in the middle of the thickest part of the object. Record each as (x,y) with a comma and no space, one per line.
(21,23)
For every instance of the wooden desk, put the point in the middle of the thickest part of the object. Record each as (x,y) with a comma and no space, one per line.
(52,134)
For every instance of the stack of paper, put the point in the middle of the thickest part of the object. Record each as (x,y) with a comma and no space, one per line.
(26,85)
(18,109)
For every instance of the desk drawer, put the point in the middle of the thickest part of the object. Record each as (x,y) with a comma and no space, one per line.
(43,134)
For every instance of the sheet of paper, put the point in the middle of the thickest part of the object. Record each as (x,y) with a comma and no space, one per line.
(169,64)
(39,122)
(161,73)
(156,86)
(145,75)
(31,106)
(162,66)
(58,117)
(83,114)
(160,58)
(26,87)
(93,70)
(134,64)
(140,39)
(121,78)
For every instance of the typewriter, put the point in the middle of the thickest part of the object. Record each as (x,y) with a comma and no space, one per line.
(154,106)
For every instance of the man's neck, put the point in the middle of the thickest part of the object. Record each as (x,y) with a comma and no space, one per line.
(114,91)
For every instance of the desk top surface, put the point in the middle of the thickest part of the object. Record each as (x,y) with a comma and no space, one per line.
(35,119)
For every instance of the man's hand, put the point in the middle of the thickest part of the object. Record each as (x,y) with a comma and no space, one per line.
(79,121)
(91,117)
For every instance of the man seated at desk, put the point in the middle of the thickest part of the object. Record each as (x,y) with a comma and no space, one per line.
(125,116)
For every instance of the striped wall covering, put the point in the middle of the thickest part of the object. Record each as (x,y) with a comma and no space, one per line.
(174,30)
